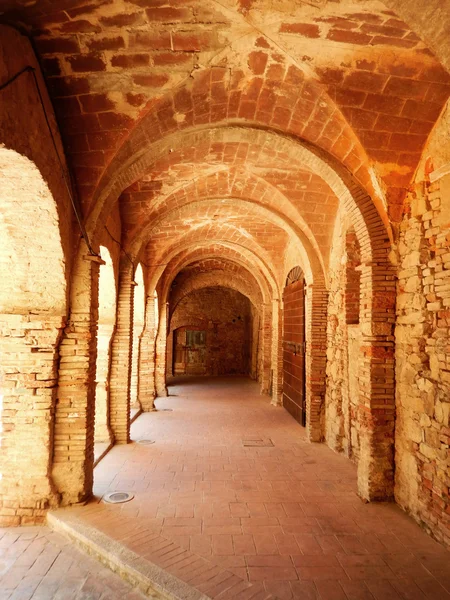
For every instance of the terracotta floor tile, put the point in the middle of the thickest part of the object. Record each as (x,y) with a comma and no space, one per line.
(330,590)
(286,543)
(280,589)
(271,573)
(265,543)
(244,545)
(320,573)
(356,590)
(222,544)
(382,589)
(207,494)
(304,590)
(315,560)
(260,560)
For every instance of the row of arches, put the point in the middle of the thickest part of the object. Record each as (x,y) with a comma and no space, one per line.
(113,349)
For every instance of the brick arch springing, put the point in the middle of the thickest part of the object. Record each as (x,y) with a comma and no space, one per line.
(32,315)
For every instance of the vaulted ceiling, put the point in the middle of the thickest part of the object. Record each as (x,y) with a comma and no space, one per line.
(223,124)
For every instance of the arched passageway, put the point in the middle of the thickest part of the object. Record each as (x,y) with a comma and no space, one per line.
(266,183)
(32,317)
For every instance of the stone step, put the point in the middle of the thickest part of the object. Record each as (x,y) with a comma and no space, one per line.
(153,580)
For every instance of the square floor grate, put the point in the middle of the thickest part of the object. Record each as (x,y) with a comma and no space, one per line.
(258,442)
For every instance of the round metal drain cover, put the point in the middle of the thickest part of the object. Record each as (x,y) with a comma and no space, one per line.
(145,442)
(118,497)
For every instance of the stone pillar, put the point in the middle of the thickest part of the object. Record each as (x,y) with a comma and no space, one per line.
(146,367)
(316,359)
(28,376)
(376,383)
(121,355)
(161,344)
(73,455)
(277,354)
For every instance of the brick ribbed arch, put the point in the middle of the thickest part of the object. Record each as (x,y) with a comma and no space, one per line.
(238,184)
(224,274)
(32,269)
(223,254)
(241,281)
(355,200)
(193,248)
(178,255)
(206,206)
(216,96)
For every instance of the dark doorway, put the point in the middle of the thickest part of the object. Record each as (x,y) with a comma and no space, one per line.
(294,346)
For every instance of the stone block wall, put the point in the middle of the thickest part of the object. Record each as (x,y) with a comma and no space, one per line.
(343,343)
(422,343)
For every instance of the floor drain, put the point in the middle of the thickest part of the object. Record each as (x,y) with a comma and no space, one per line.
(145,442)
(117,497)
(260,442)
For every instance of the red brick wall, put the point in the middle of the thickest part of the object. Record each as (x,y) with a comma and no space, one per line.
(226,317)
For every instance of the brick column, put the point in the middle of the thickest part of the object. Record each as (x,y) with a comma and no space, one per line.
(73,456)
(29,364)
(266,348)
(121,356)
(376,383)
(138,331)
(160,359)
(146,366)
(255,348)
(316,360)
(102,427)
(277,354)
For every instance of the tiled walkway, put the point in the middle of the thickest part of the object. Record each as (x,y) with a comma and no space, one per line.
(285,517)
(38,564)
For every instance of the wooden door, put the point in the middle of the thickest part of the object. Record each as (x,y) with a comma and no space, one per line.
(294,346)
(196,352)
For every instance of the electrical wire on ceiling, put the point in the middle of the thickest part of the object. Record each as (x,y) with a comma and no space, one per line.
(128,256)
(32,70)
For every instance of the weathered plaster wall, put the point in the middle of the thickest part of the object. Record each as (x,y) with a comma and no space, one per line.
(422,343)
(226,317)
